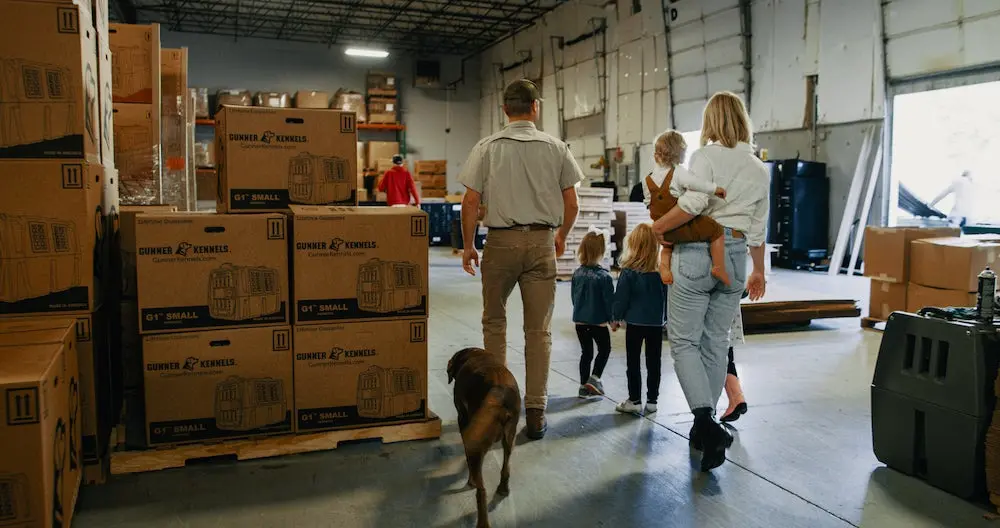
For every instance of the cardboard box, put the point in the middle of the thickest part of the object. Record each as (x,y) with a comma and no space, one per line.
(39,436)
(131,345)
(53,253)
(220,384)
(360,374)
(127,247)
(268,158)
(380,150)
(433,193)
(200,271)
(88,335)
(886,297)
(137,152)
(175,133)
(48,73)
(350,102)
(312,99)
(918,296)
(135,63)
(432,181)
(359,263)
(381,82)
(952,263)
(431,167)
(106,106)
(887,250)
(383,110)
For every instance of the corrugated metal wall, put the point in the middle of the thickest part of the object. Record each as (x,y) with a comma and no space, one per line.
(838,41)
(934,36)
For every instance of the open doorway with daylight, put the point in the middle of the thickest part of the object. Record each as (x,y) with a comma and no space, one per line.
(946,155)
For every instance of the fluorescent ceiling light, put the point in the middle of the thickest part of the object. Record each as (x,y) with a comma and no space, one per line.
(366,52)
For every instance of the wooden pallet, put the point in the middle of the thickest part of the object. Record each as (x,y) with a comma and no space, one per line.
(871,323)
(123,462)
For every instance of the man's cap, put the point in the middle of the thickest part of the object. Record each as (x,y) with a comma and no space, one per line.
(397,160)
(521,91)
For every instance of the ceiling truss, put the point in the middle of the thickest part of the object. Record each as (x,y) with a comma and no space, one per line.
(441,27)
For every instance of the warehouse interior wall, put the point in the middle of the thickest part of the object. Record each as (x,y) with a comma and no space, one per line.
(808,68)
(218,62)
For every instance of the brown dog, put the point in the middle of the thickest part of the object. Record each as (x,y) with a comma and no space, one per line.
(488,401)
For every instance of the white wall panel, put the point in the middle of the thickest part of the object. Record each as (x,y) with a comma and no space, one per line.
(593,146)
(648,63)
(810,64)
(611,116)
(851,82)
(652,18)
(934,36)
(661,109)
(629,29)
(584,95)
(688,115)
(630,67)
(727,79)
(550,106)
(630,122)
(690,88)
(660,75)
(725,52)
(648,117)
(779,88)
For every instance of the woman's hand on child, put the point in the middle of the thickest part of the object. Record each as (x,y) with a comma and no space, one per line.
(720,192)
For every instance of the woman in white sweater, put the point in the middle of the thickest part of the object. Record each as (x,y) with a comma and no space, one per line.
(701,308)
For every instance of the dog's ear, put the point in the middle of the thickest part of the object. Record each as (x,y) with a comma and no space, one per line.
(451,373)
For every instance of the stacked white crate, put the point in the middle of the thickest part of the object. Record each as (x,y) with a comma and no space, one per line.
(595,211)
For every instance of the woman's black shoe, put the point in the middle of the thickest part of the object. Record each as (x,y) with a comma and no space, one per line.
(694,440)
(715,439)
(740,410)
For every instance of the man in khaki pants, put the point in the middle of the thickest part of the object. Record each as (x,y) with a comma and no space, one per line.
(526,180)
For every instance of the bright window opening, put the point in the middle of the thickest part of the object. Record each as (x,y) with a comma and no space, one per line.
(939,135)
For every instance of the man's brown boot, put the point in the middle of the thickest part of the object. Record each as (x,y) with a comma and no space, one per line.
(536,424)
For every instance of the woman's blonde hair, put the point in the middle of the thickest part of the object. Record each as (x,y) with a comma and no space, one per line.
(669,148)
(642,250)
(592,249)
(725,121)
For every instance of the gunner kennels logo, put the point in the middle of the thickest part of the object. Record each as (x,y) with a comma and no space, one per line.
(269,138)
(336,245)
(184,249)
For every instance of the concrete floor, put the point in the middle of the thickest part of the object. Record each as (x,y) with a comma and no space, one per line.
(802,455)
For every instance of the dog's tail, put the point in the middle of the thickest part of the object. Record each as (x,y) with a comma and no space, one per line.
(494,411)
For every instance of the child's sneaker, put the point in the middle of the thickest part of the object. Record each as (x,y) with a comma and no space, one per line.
(629,407)
(584,392)
(650,407)
(594,386)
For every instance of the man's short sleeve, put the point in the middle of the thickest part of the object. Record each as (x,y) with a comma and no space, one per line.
(570,175)
(473,174)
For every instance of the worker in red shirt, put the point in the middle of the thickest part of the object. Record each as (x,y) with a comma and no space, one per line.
(397,184)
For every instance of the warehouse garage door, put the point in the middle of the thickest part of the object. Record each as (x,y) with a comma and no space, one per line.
(943,67)
(707,46)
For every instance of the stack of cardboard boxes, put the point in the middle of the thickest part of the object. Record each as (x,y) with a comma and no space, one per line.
(893,262)
(360,289)
(217,293)
(136,91)
(58,207)
(177,130)
(383,102)
(432,175)
(944,271)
